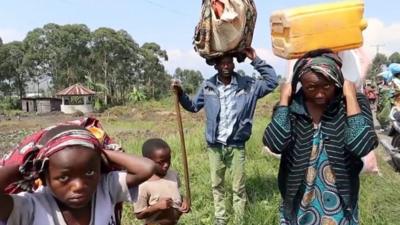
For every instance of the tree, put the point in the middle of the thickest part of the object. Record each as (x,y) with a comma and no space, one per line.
(36,59)
(13,74)
(128,68)
(106,60)
(190,79)
(376,67)
(58,51)
(1,41)
(394,58)
(115,60)
(153,76)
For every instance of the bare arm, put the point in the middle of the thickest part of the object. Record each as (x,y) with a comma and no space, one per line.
(8,175)
(349,92)
(139,169)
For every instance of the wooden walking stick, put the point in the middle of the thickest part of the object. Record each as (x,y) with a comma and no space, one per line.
(183,148)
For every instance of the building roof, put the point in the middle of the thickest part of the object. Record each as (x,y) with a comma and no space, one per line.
(76,90)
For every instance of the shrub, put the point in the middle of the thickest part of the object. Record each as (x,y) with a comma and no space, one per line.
(9,103)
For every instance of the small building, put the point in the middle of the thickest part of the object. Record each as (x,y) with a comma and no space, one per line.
(76,98)
(40,104)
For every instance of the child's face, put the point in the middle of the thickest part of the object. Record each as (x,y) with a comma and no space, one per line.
(73,176)
(162,157)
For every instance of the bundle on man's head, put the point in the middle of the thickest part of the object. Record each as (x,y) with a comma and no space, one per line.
(34,151)
(320,61)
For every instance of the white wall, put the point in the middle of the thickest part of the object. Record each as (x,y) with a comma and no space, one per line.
(70,109)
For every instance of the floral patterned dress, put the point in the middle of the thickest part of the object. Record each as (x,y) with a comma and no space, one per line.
(320,203)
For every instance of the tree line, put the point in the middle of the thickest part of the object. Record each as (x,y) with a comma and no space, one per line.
(380,60)
(108,61)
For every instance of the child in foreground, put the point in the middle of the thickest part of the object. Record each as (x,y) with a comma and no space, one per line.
(69,160)
(159,201)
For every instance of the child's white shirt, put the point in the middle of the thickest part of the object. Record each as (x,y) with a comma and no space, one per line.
(40,207)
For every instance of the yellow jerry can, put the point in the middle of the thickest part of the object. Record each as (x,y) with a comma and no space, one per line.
(337,26)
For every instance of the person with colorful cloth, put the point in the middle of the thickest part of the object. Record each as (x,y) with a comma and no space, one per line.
(389,89)
(77,189)
(229,100)
(321,132)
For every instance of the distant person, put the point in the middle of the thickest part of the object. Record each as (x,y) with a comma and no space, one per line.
(371,94)
(321,132)
(69,161)
(159,200)
(229,100)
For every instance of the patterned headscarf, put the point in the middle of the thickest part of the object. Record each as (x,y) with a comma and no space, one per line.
(69,137)
(327,64)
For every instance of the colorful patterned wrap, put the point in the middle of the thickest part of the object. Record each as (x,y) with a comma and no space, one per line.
(206,32)
(328,64)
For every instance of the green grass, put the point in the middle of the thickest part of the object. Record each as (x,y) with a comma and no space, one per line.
(379,197)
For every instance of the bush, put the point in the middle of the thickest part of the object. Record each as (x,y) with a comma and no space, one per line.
(9,104)
(98,105)
(136,95)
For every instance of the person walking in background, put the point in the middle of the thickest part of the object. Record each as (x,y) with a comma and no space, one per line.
(229,100)
(371,94)
(321,132)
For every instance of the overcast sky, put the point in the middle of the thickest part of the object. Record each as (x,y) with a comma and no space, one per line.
(171,23)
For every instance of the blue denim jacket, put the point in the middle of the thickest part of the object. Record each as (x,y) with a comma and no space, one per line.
(249,90)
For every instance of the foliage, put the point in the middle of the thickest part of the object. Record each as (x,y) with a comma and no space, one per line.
(98,105)
(376,67)
(136,95)
(9,103)
(58,51)
(115,59)
(108,61)
(99,87)
(190,79)
(154,78)
(13,76)
(394,58)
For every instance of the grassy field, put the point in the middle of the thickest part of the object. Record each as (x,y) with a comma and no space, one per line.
(379,197)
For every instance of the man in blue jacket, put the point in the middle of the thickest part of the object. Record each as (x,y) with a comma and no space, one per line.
(229,100)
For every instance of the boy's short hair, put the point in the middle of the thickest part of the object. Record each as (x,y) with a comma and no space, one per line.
(153,144)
